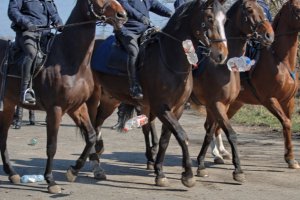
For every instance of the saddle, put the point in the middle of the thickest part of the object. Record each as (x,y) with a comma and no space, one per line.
(16,57)
(111,57)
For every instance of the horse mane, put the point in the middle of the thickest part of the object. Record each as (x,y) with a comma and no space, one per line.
(181,13)
(232,9)
(277,18)
(184,11)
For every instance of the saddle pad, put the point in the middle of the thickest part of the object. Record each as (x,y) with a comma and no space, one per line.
(108,58)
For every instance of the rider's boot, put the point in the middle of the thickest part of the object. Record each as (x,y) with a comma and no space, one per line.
(18,115)
(135,88)
(120,114)
(27,95)
(31,117)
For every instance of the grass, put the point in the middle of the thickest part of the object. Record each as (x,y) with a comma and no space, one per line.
(260,116)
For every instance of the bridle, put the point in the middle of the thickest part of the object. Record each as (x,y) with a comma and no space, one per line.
(254,27)
(101,17)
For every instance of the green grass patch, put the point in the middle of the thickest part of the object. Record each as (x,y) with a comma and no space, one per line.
(260,116)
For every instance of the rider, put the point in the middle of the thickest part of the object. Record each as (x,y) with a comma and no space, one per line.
(266,9)
(138,22)
(27,17)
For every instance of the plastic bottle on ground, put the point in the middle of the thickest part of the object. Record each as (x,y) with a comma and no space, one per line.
(32,178)
(135,122)
(189,50)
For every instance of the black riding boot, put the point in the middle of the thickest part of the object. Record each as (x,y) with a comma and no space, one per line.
(27,95)
(18,115)
(135,88)
(120,114)
(31,117)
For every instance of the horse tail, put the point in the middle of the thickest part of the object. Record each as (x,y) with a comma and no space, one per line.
(127,113)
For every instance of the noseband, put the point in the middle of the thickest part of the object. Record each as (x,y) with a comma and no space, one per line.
(102,16)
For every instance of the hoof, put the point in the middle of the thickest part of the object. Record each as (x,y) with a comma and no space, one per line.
(239,177)
(15,179)
(54,189)
(219,160)
(293,164)
(150,166)
(99,175)
(188,182)
(162,182)
(226,156)
(202,172)
(71,177)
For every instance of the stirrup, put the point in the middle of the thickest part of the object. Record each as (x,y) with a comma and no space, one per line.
(26,102)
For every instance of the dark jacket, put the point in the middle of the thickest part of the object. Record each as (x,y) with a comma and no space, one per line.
(24,13)
(178,3)
(136,9)
(266,9)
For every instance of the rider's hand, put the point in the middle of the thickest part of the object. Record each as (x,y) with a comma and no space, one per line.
(59,27)
(31,27)
(146,20)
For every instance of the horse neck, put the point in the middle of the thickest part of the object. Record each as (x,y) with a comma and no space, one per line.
(171,41)
(286,44)
(77,41)
(236,42)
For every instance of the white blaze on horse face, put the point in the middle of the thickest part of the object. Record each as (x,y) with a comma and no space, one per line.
(220,19)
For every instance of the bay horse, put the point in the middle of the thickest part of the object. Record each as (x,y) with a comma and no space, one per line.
(216,87)
(63,85)
(166,78)
(273,82)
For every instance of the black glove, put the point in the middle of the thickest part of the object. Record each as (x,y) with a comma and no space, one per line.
(59,27)
(31,27)
(146,20)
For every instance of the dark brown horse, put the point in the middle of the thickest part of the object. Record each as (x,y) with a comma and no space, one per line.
(166,77)
(63,85)
(217,87)
(274,81)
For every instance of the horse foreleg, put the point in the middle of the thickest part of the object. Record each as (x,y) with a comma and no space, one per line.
(283,114)
(6,117)
(53,120)
(82,120)
(170,123)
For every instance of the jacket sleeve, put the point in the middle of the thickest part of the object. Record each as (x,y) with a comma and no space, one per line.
(131,12)
(54,16)
(160,9)
(15,15)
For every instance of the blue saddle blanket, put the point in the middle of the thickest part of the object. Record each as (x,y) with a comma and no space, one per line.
(109,58)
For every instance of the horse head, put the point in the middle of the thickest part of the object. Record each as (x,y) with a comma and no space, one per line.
(208,27)
(293,7)
(253,22)
(108,11)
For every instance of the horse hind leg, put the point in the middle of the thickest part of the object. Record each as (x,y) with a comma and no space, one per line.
(18,116)
(283,114)
(6,117)
(151,145)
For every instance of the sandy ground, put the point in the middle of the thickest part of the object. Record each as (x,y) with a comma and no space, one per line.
(261,153)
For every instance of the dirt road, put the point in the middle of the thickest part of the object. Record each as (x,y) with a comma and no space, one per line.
(261,153)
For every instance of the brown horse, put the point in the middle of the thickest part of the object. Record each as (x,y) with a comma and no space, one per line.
(63,85)
(166,76)
(273,82)
(224,85)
